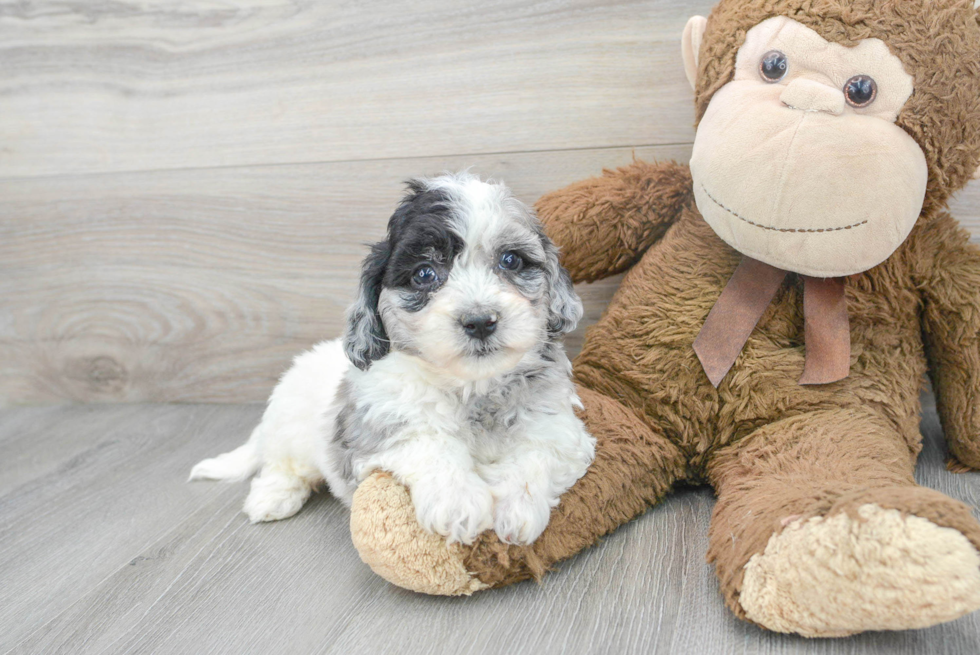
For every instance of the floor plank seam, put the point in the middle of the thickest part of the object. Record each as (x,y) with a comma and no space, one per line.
(319,162)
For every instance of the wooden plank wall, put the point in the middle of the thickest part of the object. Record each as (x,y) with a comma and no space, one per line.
(186,188)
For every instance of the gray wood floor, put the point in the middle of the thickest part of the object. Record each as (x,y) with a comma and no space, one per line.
(105,549)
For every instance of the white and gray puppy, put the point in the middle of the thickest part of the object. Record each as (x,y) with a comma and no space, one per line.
(452,376)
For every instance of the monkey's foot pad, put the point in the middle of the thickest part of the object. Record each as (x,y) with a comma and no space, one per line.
(836,576)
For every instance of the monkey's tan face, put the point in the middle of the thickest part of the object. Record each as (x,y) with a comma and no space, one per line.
(798,162)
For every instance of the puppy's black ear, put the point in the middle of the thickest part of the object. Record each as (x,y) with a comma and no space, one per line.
(565,307)
(366,339)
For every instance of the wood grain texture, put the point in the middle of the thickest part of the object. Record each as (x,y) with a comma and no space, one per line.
(202,285)
(99,85)
(105,549)
(199,278)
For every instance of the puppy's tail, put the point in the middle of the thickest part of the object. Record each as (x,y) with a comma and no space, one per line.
(234,466)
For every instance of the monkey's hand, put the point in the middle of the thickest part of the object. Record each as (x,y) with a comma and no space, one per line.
(604,224)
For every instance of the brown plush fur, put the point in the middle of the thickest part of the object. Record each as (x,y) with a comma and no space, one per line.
(772,449)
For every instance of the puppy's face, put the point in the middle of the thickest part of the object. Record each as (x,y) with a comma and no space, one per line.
(466,280)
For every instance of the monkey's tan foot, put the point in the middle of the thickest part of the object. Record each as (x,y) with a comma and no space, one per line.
(873,569)
(390,540)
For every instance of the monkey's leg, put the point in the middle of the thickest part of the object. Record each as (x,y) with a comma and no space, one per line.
(821,530)
(634,468)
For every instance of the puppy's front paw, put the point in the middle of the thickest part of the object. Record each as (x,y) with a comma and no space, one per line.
(520,518)
(459,512)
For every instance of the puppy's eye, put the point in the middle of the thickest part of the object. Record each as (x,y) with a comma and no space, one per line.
(511,261)
(860,91)
(774,66)
(424,276)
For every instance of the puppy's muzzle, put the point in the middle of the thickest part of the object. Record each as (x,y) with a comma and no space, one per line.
(479,326)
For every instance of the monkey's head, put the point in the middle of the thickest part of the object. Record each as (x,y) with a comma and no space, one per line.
(827,127)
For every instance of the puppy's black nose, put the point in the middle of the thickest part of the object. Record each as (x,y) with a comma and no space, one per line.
(479,327)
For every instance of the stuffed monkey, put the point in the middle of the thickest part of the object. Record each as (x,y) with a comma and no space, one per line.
(784,295)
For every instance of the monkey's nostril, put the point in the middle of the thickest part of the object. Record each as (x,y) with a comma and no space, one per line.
(479,327)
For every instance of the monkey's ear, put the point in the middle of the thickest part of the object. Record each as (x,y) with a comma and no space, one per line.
(691,47)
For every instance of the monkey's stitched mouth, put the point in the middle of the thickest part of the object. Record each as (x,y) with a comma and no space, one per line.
(779,229)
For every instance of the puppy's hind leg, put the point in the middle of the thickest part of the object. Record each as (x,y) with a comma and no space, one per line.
(289,439)
(280,490)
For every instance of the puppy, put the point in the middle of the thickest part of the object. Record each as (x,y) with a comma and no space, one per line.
(452,376)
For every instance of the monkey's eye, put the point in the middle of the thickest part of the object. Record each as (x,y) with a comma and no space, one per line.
(424,276)
(510,261)
(773,66)
(860,91)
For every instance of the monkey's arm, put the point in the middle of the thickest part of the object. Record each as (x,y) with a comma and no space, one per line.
(951,330)
(604,224)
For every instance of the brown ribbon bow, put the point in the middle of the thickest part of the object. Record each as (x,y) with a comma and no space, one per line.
(743,302)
